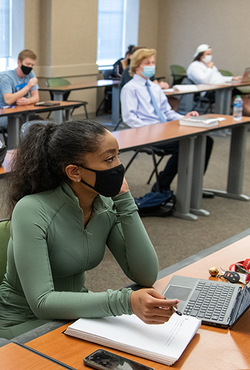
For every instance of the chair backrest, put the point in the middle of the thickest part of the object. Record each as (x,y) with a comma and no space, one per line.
(107,73)
(4,239)
(187,81)
(178,73)
(57,81)
(225,73)
(186,100)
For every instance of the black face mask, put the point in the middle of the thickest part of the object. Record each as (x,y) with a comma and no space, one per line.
(26,70)
(108,182)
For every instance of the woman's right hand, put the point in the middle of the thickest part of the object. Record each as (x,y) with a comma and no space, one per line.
(124,187)
(151,306)
(210,64)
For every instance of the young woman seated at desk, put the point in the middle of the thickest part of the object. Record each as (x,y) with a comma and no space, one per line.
(69,199)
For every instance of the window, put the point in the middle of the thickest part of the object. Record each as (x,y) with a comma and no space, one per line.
(117,29)
(5,31)
(11,32)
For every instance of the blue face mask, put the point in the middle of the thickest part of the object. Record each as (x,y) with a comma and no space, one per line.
(148,71)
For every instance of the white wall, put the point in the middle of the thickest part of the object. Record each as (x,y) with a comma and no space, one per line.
(223,24)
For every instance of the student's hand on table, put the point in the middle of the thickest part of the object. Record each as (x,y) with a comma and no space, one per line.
(152,307)
(236,78)
(164,85)
(191,114)
(22,101)
(32,82)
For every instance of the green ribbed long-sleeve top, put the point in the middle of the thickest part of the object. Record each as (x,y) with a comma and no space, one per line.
(50,250)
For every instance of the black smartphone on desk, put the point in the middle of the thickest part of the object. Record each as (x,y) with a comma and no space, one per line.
(46,104)
(105,360)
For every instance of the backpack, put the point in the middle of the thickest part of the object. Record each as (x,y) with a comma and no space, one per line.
(156,204)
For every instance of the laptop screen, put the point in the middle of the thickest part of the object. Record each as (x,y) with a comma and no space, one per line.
(243,304)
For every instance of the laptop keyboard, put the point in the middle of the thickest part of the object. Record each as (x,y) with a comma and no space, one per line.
(209,301)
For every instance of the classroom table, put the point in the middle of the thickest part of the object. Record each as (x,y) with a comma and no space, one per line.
(211,348)
(223,95)
(13,357)
(192,145)
(235,165)
(136,138)
(13,115)
(115,84)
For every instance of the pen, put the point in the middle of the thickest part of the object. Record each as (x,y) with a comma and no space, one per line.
(176,311)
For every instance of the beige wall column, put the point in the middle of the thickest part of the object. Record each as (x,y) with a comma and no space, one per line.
(63,34)
(149,30)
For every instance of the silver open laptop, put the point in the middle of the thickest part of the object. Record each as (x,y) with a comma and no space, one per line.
(245,78)
(215,303)
(246,75)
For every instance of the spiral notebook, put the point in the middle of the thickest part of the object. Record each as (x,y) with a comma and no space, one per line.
(163,343)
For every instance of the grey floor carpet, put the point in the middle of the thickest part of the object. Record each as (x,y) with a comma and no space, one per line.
(175,239)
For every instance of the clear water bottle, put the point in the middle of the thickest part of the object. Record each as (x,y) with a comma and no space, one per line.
(238,108)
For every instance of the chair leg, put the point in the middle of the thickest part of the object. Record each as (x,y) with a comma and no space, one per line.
(131,160)
(207,109)
(102,102)
(118,124)
(153,172)
(156,172)
(196,104)
(86,112)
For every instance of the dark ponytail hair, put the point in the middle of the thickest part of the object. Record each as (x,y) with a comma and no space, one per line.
(45,151)
(199,56)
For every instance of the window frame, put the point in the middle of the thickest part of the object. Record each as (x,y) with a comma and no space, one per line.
(129,34)
(16,41)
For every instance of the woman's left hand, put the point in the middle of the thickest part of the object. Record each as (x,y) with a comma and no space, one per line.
(191,114)
(164,85)
(236,78)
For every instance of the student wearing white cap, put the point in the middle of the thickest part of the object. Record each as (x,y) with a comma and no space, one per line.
(203,71)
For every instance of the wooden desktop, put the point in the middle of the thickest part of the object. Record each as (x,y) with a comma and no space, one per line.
(13,115)
(223,95)
(13,357)
(190,176)
(211,348)
(58,92)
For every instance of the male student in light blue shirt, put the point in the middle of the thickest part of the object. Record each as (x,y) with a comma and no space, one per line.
(19,86)
(144,103)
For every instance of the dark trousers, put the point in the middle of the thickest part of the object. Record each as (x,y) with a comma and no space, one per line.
(167,175)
